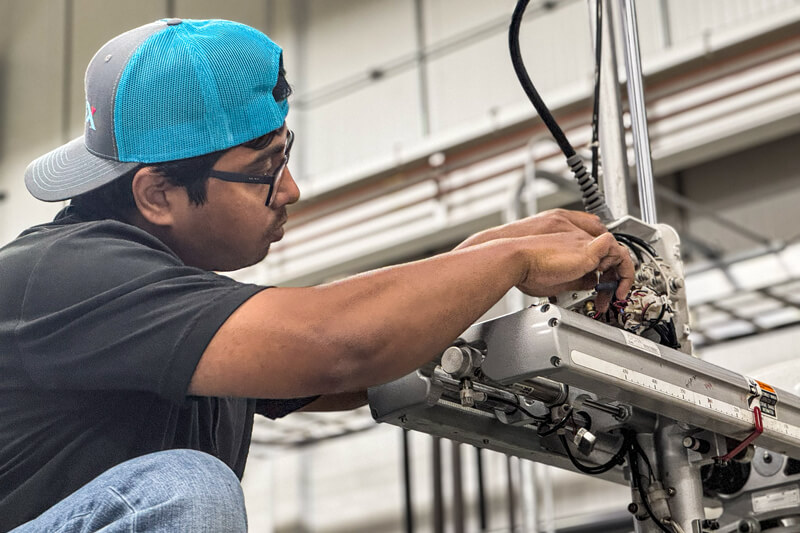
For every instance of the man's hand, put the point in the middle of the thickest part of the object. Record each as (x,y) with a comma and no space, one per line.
(565,249)
(547,222)
(570,261)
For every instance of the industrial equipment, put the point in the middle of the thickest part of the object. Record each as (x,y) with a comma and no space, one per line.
(616,394)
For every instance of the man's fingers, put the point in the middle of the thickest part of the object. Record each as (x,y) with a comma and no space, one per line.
(611,256)
(587,222)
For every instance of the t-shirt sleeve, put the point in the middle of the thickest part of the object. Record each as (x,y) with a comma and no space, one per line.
(280,408)
(116,310)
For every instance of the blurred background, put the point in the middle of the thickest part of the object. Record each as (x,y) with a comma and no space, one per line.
(412,133)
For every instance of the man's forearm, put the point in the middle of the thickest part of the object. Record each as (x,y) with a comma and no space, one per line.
(357,332)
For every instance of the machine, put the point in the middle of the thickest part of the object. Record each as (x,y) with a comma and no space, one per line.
(616,394)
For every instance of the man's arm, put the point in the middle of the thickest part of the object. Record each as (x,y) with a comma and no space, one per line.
(343,401)
(375,327)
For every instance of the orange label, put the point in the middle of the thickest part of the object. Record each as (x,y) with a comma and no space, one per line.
(765,387)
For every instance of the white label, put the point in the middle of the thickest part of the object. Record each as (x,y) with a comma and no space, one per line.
(772,500)
(635,341)
(670,389)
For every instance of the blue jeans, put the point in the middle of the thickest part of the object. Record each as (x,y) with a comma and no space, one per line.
(171,491)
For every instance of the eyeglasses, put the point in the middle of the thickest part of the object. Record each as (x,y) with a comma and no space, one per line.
(273,180)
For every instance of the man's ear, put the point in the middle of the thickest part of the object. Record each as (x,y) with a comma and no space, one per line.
(156,198)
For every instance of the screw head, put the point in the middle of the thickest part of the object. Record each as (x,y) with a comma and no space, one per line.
(553,322)
(545,308)
(555,361)
(767,457)
(671,491)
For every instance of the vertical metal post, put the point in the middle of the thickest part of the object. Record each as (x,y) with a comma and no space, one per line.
(66,63)
(512,496)
(458,488)
(306,507)
(679,474)
(483,515)
(422,68)
(614,153)
(527,497)
(299,17)
(438,499)
(409,503)
(543,475)
(641,142)
(666,23)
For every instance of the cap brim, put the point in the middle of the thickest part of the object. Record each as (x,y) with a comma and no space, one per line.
(71,170)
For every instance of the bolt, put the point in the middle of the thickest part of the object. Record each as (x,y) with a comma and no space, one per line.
(555,361)
(545,308)
(553,322)
(671,491)
(676,284)
(403,419)
(744,527)
(574,295)
(633,508)
(486,441)
(767,457)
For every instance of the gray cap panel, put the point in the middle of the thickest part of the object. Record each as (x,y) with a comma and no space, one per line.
(71,170)
(102,77)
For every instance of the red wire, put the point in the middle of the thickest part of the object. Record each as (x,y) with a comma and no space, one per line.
(759,423)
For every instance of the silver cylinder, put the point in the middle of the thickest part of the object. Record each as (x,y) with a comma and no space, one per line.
(641,142)
(678,473)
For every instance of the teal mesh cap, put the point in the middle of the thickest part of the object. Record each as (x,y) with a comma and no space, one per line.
(169,90)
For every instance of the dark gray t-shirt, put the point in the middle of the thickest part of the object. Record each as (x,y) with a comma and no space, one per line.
(101,327)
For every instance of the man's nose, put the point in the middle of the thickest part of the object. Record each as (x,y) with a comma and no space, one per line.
(288,192)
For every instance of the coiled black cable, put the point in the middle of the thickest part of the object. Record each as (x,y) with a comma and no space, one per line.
(593,200)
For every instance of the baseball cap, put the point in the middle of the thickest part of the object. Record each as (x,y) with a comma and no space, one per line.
(168,90)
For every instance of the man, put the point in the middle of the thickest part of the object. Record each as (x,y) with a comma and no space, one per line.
(130,372)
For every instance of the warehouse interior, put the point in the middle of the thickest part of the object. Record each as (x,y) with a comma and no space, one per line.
(412,134)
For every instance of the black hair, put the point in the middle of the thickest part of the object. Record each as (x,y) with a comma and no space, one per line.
(115,199)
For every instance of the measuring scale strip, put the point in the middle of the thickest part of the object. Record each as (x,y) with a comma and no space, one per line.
(680,393)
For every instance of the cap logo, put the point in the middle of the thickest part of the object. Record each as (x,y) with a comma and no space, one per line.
(90,115)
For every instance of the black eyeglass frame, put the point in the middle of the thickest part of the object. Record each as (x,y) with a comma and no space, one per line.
(273,180)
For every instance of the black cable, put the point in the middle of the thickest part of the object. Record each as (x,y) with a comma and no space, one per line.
(641,242)
(616,460)
(636,474)
(598,53)
(558,425)
(518,407)
(627,242)
(654,322)
(527,84)
(638,448)
(593,200)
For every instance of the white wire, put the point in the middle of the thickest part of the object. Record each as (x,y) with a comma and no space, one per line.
(676,527)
